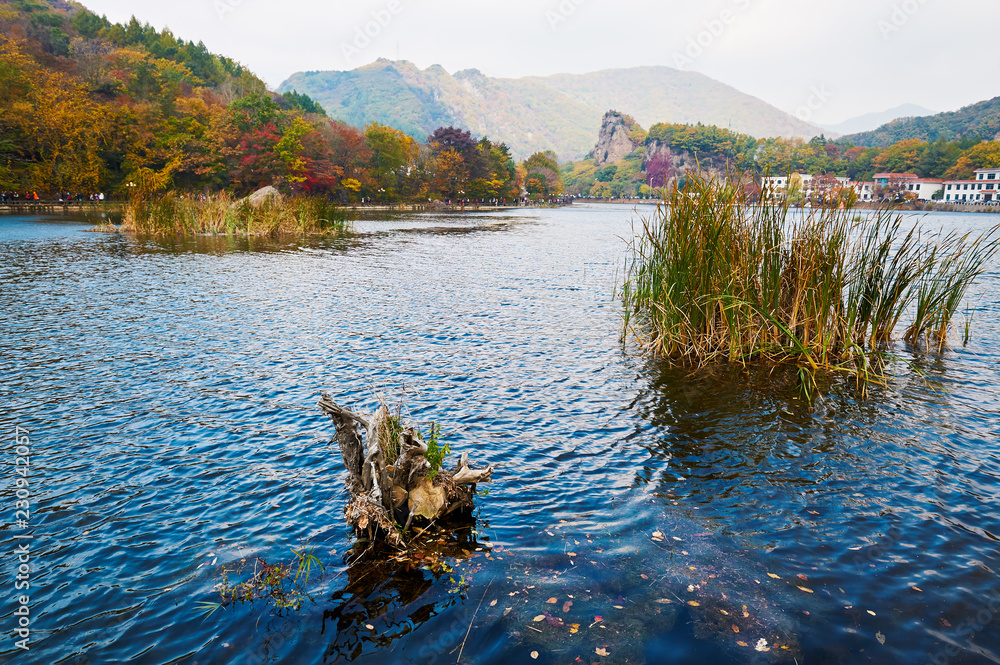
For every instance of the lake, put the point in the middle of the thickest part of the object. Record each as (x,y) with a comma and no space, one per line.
(169,389)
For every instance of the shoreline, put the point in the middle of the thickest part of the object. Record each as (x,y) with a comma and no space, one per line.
(903,207)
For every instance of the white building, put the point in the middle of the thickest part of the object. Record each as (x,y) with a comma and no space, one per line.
(924,189)
(984,188)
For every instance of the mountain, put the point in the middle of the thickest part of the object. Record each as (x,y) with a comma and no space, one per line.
(870,121)
(561,113)
(981,119)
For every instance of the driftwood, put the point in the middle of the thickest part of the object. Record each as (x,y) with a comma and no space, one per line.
(389,478)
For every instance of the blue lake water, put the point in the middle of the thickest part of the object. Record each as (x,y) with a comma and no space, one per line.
(169,390)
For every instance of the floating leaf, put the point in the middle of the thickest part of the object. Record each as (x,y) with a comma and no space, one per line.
(762,645)
(572,554)
(369,626)
(694,603)
(534,655)
(540,617)
(773,576)
(644,576)
(601,651)
(725,613)
(493,603)
(802,577)
(806,589)
(880,637)
(507,610)
(574,628)
(736,628)
(567,605)
(870,612)
(552,601)
(743,644)
(658,535)
(598,619)
(916,588)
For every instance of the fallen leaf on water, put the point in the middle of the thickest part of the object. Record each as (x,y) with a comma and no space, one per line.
(946,623)
(369,626)
(598,619)
(736,628)
(552,601)
(644,576)
(872,613)
(802,577)
(540,617)
(773,576)
(601,651)
(572,554)
(690,588)
(679,540)
(493,604)
(567,605)
(762,645)
(880,637)
(916,588)
(743,644)
(574,628)
(746,615)
(724,612)
(507,610)
(807,590)
(534,654)
(553,621)
(663,601)
(694,603)
(813,512)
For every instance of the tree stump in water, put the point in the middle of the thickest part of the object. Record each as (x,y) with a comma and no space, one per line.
(390,479)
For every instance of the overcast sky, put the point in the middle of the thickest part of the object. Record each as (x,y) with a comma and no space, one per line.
(844,57)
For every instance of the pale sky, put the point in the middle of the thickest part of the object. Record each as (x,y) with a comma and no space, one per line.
(843,58)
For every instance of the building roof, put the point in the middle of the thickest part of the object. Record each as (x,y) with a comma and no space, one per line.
(896,176)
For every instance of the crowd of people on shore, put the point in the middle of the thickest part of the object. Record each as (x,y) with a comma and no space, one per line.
(62,198)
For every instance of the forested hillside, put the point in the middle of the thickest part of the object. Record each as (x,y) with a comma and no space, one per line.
(670,151)
(88,106)
(978,121)
(561,113)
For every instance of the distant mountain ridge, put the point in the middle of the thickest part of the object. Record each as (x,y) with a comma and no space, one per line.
(870,121)
(561,113)
(981,119)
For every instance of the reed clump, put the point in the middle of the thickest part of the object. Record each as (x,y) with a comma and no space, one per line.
(716,275)
(221,214)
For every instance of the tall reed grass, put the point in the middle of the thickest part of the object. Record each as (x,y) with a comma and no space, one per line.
(221,214)
(715,276)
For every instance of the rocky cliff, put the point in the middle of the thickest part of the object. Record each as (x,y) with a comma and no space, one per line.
(618,138)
